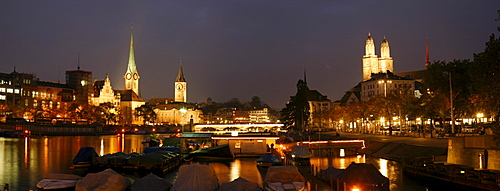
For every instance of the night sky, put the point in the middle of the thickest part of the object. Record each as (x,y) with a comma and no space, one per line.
(236,49)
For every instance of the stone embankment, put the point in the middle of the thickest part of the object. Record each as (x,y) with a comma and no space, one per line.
(401,151)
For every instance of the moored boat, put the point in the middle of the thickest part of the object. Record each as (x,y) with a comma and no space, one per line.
(105,180)
(84,157)
(240,184)
(196,177)
(58,181)
(363,176)
(222,152)
(301,155)
(285,178)
(268,160)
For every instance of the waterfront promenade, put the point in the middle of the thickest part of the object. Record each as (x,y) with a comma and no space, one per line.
(409,139)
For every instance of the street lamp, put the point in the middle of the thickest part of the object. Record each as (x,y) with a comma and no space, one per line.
(451,108)
(385,85)
(479,116)
(183,111)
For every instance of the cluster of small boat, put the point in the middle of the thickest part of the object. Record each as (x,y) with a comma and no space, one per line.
(104,180)
(154,159)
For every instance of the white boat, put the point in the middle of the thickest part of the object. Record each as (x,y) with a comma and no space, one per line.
(280,178)
(58,181)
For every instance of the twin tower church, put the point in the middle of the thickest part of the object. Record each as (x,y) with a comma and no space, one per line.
(169,110)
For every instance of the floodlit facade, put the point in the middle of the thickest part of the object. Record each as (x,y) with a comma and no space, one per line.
(259,116)
(372,64)
(104,93)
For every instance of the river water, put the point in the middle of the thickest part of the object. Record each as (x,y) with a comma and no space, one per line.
(24,161)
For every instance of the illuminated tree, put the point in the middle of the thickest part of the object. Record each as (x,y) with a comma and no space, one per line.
(146,112)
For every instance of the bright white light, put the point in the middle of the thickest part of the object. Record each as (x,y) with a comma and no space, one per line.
(342,153)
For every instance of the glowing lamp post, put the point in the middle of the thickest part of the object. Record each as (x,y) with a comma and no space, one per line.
(183,111)
(479,116)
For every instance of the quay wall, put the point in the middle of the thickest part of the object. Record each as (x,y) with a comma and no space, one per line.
(402,151)
(473,151)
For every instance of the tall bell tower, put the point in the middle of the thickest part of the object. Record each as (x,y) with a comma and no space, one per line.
(370,60)
(131,75)
(180,86)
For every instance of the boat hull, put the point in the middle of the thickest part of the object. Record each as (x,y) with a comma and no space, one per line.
(56,184)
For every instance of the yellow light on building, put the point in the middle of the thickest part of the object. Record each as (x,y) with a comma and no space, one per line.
(480,115)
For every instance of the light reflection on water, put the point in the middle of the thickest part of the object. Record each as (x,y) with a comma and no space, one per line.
(24,161)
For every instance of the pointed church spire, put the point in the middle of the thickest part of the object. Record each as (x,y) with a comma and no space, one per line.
(427,61)
(132,68)
(78,61)
(180,75)
(305,74)
(131,75)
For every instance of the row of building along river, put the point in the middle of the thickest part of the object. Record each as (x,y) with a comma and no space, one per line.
(24,161)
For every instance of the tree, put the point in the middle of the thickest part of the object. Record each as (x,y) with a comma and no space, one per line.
(296,112)
(107,113)
(256,103)
(485,74)
(146,112)
(438,77)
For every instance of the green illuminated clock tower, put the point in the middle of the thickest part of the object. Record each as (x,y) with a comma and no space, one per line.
(132,76)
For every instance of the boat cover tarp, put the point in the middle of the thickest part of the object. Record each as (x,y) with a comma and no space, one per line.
(330,171)
(301,152)
(221,151)
(363,173)
(156,158)
(115,158)
(107,180)
(268,158)
(151,182)
(196,177)
(240,184)
(284,174)
(85,154)
(62,176)
(165,148)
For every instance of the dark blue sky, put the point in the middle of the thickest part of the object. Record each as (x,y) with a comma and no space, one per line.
(237,49)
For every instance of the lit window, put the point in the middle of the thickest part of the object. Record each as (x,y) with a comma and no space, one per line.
(16,91)
(9,90)
(3,97)
(2,89)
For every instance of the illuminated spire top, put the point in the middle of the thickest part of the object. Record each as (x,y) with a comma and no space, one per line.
(131,58)
(180,76)
(370,46)
(427,61)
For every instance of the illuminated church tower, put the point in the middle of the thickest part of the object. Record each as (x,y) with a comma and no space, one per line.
(180,86)
(132,76)
(385,60)
(373,64)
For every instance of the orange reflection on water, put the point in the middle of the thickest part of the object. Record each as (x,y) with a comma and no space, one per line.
(101,150)
(26,152)
(337,162)
(383,167)
(45,152)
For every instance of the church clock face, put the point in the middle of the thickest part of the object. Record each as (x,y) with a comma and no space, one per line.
(128,76)
(179,87)
(136,76)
